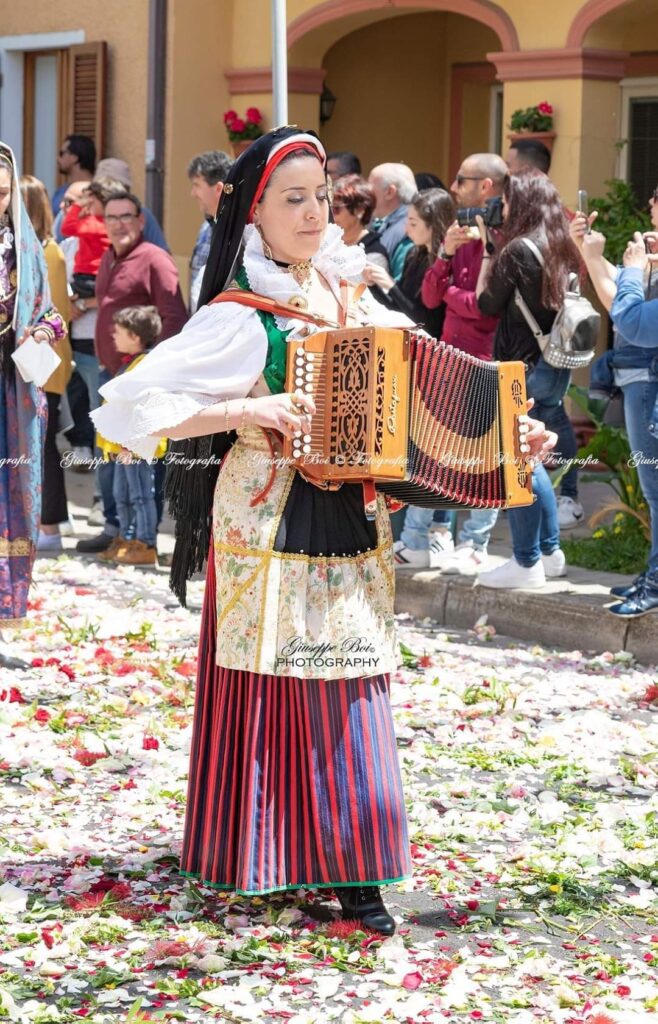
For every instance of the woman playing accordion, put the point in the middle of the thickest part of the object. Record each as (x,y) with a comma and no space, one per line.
(294,778)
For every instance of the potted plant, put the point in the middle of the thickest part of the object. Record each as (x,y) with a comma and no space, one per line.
(533,123)
(243,131)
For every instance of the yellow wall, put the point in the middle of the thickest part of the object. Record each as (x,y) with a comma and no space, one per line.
(123,25)
(392,81)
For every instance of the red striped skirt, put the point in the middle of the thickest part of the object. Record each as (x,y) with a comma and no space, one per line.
(293,782)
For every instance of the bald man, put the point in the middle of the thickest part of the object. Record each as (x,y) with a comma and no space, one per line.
(394,186)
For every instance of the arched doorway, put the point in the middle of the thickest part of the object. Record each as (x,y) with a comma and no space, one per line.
(629,26)
(412,81)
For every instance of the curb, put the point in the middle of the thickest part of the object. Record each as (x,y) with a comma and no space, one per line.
(562,614)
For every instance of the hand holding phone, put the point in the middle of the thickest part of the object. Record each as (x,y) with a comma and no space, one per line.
(583,205)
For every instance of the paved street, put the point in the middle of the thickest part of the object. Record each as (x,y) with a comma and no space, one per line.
(531,785)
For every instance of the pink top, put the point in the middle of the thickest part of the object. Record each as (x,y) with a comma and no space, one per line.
(453,282)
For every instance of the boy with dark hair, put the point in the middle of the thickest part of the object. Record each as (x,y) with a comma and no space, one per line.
(136,330)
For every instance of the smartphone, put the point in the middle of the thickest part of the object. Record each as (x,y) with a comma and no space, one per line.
(583,205)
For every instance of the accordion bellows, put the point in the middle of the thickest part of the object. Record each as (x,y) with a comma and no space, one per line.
(431,425)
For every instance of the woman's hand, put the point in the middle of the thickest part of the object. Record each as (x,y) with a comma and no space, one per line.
(484,234)
(290,414)
(39,335)
(580,228)
(593,246)
(538,439)
(373,274)
(455,236)
(635,254)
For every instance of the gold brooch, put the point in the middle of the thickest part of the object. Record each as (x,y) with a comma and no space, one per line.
(298,302)
(228,189)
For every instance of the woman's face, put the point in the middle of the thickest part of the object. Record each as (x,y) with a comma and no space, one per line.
(5,189)
(345,219)
(294,212)
(418,231)
(653,208)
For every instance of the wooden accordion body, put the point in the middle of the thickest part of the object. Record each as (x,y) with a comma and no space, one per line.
(431,425)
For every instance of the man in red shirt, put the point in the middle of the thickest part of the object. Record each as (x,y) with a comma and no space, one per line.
(132,273)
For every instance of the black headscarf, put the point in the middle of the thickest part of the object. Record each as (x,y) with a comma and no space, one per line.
(194,463)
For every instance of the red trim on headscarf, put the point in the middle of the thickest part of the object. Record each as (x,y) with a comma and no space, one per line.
(272,165)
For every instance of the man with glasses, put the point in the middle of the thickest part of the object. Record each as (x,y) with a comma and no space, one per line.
(133,272)
(452,279)
(76,160)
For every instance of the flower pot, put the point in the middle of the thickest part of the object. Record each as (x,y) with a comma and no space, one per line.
(240,146)
(548,138)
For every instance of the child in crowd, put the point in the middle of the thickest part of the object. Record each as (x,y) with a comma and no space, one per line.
(84,220)
(137,329)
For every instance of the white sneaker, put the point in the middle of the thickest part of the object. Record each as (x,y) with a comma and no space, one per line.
(441,544)
(406,558)
(67,528)
(555,564)
(96,515)
(569,512)
(49,543)
(511,575)
(81,459)
(465,560)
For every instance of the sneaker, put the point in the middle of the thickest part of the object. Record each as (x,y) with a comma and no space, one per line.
(441,543)
(67,528)
(81,459)
(136,552)
(510,575)
(645,599)
(569,513)
(555,564)
(465,560)
(407,558)
(92,545)
(110,553)
(628,589)
(49,543)
(96,516)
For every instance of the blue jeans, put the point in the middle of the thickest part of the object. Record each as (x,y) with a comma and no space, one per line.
(417,521)
(548,386)
(639,402)
(478,527)
(134,495)
(535,529)
(106,479)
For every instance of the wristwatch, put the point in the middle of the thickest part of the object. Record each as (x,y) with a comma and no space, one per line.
(82,305)
(443,255)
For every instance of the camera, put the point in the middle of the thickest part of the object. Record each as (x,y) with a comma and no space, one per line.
(491,213)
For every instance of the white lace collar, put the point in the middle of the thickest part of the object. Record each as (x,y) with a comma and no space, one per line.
(335,261)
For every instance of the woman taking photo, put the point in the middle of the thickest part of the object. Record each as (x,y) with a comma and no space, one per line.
(294,778)
(430,215)
(533,261)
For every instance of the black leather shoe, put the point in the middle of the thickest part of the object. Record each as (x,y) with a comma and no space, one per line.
(364,904)
(643,601)
(629,589)
(92,545)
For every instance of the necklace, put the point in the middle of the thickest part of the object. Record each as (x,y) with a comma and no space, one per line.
(301,272)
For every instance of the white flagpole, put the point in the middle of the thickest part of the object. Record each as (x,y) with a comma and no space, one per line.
(279,63)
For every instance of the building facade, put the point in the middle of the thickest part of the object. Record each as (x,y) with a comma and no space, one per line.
(423,81)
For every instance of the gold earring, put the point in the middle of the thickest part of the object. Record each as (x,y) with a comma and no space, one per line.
(267,252)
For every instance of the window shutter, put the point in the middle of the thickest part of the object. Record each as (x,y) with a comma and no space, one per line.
(86,92)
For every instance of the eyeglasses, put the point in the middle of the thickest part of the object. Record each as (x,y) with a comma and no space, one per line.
(337,207)
(120,218)
(461,178)
(67,202)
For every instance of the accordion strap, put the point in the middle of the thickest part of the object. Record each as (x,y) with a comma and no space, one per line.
(288,309)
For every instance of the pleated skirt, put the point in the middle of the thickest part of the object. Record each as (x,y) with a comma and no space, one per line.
(293,782)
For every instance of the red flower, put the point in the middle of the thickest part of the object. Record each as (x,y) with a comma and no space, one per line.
(600,1018)
(37,663)
(473,904)
(623,990)
(237,125)
(87,901)
(41,715)
(188,668)
(254,115)
(68,672)
(87,757)
(650,695)
(229,116)
(150,743)
(544,108)
(13,695)
(425,661)
(412,981)
(344,929)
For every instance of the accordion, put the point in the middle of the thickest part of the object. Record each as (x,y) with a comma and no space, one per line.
(428,424)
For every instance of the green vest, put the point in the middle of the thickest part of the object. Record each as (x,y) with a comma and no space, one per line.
(275,363)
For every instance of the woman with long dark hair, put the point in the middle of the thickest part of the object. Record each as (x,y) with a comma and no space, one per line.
(294,777)
(532,262)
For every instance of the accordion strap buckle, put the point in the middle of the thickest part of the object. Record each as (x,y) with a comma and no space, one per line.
(369,499)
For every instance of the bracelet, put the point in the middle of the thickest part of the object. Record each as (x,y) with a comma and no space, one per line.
(45,329)
(243,421)
(226,422)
